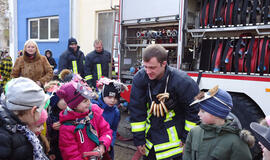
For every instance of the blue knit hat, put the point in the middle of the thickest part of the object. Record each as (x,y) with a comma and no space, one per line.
(216,102)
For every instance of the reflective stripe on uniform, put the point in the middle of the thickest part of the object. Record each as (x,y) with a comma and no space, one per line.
(74,67)
(167,145)
(169,153)
(88,77)
(99,71)
(169,115)
(172,134)
(138,126)
(148,147)
(189,125)
(147,127)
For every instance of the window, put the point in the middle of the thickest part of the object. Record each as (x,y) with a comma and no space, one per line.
(105,29)
(45,28)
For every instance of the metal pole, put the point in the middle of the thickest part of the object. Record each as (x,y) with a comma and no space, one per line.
(180,33)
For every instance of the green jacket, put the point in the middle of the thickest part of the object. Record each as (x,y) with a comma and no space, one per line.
(210,142)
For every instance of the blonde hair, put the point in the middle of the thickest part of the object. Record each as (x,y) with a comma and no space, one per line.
(27,43)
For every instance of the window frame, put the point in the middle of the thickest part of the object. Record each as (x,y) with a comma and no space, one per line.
(49,29)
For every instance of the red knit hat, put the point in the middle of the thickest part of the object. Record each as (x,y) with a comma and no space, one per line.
(70,94)
(74,93)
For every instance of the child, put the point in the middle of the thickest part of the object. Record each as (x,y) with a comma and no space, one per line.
(262,133)
(22,108)
(83,129)
(38,127)
(53,125)
(108,101)
(216,137)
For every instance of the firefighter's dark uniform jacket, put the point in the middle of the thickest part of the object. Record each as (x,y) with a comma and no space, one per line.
(163,133)
(96,66)
(72,61)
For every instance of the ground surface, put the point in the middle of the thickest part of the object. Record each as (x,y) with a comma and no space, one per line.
(124,150)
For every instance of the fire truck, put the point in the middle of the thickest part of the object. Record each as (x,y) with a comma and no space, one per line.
(217,42)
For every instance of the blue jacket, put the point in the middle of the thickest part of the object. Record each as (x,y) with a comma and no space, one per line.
(95,61)
(110,114)
(67,59)
(163,133)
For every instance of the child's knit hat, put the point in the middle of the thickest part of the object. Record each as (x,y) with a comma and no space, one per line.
(112,88)
(74,93)
(43,117)
(216,102)
(23,93)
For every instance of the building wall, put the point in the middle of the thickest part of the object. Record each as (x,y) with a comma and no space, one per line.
(87,21)
(40,8)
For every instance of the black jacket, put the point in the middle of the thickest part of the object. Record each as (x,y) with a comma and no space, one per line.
(182,90)
(66,58)
(51,59)
(13,146)
(91,60)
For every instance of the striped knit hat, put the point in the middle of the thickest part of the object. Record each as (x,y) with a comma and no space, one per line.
(216,102)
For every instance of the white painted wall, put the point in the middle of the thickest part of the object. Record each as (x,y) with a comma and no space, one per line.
(86,19)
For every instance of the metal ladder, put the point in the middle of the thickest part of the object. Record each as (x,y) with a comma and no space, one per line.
(115,64)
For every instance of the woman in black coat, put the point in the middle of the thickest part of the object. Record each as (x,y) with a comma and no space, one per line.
(48,54)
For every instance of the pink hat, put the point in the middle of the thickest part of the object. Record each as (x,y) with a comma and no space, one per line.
(74,93)
(267,118)
(70,94)
(43,117)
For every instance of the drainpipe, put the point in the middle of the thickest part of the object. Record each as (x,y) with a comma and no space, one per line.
(72,18)
(13,30)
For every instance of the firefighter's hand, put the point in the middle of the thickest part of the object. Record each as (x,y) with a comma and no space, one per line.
(141,149)
(56,125)
(182,145)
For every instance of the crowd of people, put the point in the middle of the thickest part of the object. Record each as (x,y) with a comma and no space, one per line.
(71,118)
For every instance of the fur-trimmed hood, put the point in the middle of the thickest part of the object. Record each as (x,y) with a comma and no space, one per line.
(232,127)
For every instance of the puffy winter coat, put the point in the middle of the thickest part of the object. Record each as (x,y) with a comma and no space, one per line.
(96,66)
(73,144)
(13,145)
(110,114)
(217,143)
(164,134)
(72,61)
(37,69)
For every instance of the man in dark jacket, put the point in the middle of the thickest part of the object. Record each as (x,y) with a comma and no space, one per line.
(97,64)
(72,58)
(159,106)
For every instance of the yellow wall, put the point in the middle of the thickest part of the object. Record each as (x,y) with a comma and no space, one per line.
(86,20)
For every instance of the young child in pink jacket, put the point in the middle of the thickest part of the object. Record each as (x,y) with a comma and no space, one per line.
(83,127)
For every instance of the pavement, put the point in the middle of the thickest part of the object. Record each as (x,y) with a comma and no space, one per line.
(124,149)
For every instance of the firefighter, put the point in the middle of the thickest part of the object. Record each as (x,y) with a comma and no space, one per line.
(97,64)
(159,106)
(73,58)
